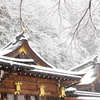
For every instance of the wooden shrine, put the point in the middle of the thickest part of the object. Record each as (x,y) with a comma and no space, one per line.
(89,87)
(25,75)
(91,79)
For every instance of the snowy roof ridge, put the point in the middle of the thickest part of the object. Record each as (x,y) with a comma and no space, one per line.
(16,59)
(34,68)
(84,65)
(55,73)
(19,36)
(87,92)
(90,76)
(58,70)
(17,64)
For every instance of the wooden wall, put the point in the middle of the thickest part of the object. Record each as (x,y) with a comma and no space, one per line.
(30,85)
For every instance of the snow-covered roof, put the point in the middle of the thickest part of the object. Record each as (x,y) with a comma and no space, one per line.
(88,98)
(38,69)
(70,89)
(84,67)
(15,43)
(55,72)
(90,76)
(16,59)
(84,94)
(11,46)
(19,62)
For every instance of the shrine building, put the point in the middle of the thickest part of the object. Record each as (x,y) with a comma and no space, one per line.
(25,75)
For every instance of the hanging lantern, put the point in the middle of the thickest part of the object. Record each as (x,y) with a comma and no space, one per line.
(18,88)
(42,91)
(62,92)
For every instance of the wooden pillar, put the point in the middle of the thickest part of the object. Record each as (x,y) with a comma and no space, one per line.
(36,98)
(61,98)
(27,97)
(4,96)
(48,98)
(39,98)
(16,97)
(42,98)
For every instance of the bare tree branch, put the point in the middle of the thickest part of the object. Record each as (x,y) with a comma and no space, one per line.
(21,21)
(75,29)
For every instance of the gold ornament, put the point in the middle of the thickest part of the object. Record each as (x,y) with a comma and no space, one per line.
(42,90)
(18,88)
(62,92)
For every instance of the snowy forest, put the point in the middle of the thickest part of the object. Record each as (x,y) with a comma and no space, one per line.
(65,33)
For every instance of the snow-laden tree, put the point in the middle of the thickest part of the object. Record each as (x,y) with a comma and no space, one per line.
(64,32)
